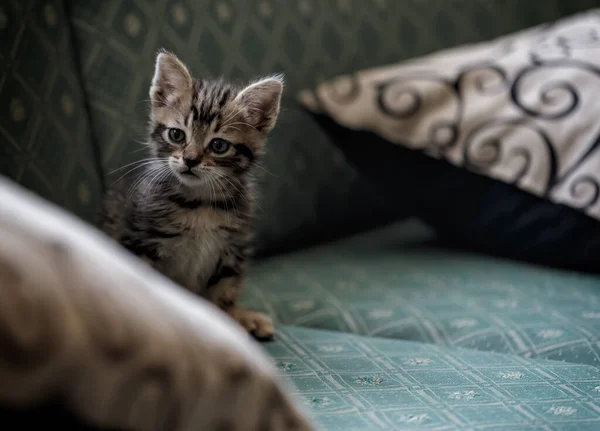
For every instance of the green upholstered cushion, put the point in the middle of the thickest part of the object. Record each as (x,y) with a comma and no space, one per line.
(45,139)
(384,284)
(358,383)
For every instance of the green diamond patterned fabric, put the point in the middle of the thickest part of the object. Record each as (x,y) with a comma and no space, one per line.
(45,140)
(384,284)
(307,187)
(348,383)
(310,189)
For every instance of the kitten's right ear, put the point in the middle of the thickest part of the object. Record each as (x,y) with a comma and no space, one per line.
(171,79)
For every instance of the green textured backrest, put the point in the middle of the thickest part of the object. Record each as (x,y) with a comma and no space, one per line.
(45,139)
(310,193)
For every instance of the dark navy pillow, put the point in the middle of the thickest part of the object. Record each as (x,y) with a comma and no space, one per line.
(471,211)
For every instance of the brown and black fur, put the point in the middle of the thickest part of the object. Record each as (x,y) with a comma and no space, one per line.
(188,210)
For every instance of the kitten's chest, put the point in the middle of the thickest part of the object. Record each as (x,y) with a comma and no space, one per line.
(191,257)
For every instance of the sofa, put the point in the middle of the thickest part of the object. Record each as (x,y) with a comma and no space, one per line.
(380,326)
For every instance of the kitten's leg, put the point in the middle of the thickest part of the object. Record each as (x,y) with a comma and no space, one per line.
(257,324)
(225,293)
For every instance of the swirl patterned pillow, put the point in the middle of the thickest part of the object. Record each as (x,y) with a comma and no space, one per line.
(107,342)
(496,145)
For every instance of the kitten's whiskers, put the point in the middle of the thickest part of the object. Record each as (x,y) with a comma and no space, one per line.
(240,191)
(262,168)
(151,172)
(241,123)
(156,180)
(143,162)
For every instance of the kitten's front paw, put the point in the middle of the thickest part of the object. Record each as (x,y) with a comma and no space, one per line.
(257,324)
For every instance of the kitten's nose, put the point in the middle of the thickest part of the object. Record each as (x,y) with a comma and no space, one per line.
(190,163)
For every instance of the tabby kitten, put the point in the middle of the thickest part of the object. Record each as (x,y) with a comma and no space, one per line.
(189,212)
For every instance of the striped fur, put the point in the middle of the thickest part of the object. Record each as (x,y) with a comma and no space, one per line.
(188,209)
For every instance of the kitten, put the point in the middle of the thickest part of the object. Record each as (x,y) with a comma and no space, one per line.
(189,212)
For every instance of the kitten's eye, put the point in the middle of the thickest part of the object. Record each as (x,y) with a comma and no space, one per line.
(176,135)
(219,146)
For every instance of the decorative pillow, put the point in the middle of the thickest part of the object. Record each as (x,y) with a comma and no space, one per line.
(89,328)
(495,144)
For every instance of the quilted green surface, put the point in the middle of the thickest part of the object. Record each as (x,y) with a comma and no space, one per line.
(349,382)
(310,188)
(384,284)
(45,139)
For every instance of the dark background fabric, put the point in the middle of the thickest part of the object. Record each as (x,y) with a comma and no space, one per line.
(45,139)
(75,74)
(311,194)
(470,211)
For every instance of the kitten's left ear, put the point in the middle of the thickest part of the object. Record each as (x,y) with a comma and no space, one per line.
(262,100)
(171,79)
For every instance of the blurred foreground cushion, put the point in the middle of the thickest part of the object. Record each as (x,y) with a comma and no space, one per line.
(494,144)
(90,329)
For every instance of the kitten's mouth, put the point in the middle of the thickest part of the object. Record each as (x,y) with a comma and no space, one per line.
(188,174)
(189,178)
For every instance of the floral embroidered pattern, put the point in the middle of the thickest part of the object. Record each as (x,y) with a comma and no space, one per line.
(414,419)
(370,380)
(550,333)
(511,375)
(463,323)
(318,402)
(423,400)
(463,395)
(285,366)
(331,349)
(419,361)
(562,410)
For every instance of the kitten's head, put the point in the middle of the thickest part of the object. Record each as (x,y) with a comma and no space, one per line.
(208,131)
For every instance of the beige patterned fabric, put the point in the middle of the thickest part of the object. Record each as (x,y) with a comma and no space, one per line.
(82,321)
(522,109)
